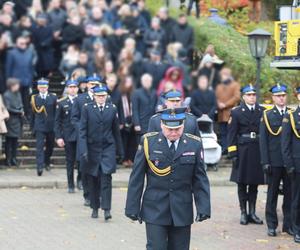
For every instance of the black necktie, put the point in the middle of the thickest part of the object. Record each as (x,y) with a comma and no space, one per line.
(172,148)
(101,109)
(252,109)
(282,112)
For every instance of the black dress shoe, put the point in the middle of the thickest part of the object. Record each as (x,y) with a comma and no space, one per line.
(272,232)
(71,190)
(79,185)
(95,213)
(87,202)
(14,162)
(8,163)
(244,219)
(288,231)
(107,215)
(39,172)
(47,167)
(297,238)
(254,219)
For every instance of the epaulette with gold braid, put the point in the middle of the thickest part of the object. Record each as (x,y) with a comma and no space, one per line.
(61,99)
(193,137)
(265,118)
(150,134)
(35,109)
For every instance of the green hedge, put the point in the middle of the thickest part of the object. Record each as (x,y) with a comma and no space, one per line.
(232,47)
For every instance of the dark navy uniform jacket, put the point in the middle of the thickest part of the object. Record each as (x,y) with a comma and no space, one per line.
(168,200)
(43,121)
(77,107)
(143,107)
(290,145)
(190,125)
(63,127)
(243,141)
(100,139)
(270,138)
(76,115)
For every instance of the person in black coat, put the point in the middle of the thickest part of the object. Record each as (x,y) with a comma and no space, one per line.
(203,100)
(183,33)
(99,135)
(155,67)
(173,99)
(42,36)
(167,23)
(13,102)
(173,164)
(143,105)
(65,133)
(115,96)
(42,123)
(243,134)
(155,37)
(79,102)
(290,147)
(272,162)
(73,32)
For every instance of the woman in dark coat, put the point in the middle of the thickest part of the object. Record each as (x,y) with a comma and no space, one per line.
(13,101)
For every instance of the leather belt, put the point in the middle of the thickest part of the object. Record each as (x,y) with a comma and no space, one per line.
(251,135)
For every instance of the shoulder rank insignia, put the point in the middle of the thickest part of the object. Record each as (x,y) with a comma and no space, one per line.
(193,137)
(61,99)
(150,134)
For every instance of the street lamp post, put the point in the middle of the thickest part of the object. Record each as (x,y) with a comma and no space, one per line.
(258,44)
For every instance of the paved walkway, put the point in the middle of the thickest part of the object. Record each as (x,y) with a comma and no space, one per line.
(51,219)
(56,178)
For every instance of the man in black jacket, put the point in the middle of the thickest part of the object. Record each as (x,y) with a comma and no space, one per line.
(272,162)
(99,136)
(291,157)
(143,105)
(184,34)
(42,123)
(65,132)
(174,100)
(173,164)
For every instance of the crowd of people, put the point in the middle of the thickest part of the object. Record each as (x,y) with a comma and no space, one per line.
(121,42)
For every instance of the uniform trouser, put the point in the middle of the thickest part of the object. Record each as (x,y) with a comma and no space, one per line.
(85,186)
(106,191)
(70,148)
(247,193)
(223,135)
(167,237)
(43,156)
(11,145)
(94,184)
(296,203)
(278,174)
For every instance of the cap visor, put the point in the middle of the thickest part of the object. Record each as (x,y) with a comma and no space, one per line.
(249,92)
(280,93)
(174,99)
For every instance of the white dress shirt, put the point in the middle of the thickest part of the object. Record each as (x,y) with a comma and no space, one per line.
(175,143)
